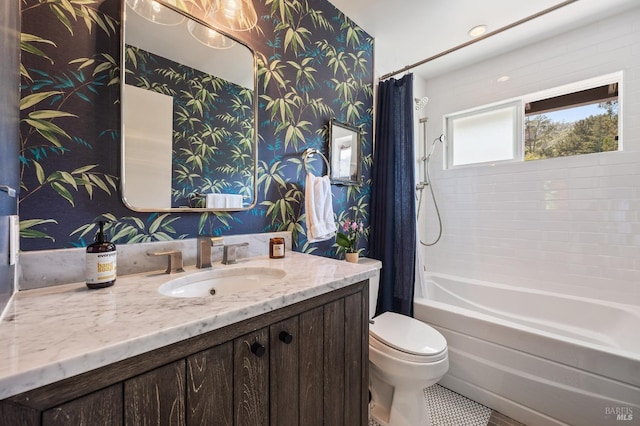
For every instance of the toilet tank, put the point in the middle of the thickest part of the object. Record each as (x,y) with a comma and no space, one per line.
(374,283)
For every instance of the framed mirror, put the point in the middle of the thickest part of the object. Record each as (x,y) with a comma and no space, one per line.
(345,153)
(188,113)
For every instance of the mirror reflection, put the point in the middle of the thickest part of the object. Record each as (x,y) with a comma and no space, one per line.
(344,149)
(188,114)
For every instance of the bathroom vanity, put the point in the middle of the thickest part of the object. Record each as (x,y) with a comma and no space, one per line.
(294,352)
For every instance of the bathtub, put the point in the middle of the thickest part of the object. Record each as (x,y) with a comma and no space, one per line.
(538,357)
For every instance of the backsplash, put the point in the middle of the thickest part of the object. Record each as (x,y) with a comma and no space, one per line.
(70,134)
(45,268)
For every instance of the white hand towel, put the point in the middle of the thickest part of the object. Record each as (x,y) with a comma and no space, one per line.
(224,201)
(233,201)
(319,209)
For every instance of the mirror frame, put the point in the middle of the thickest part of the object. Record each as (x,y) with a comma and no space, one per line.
(123,70)
(334,153)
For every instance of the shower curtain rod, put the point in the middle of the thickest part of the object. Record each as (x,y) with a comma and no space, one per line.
(475,40)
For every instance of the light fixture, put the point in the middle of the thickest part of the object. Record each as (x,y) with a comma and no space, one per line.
(234,15)
(155,12)
(503,79)
(477,31)
(208,36)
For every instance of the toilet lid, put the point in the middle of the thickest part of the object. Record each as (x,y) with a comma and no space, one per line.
(407,334)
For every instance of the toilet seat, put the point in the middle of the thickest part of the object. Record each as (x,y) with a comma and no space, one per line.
(406,338)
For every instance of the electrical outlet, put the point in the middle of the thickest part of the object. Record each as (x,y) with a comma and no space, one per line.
(14,239)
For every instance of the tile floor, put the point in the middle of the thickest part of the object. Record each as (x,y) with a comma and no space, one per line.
(448,408)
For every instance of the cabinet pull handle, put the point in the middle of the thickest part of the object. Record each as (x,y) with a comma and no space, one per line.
(258,349)
(286,337)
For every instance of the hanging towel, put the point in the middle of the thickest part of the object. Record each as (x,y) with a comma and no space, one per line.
(319,209)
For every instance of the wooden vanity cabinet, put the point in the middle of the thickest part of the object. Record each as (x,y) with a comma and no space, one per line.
(103,407)
(305,364)
(284,371)
(156,397)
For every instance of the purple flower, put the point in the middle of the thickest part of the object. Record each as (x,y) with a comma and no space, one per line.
(350,235)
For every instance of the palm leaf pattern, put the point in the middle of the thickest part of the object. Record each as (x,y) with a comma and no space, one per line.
(44,109)
(213,123)
(313,64)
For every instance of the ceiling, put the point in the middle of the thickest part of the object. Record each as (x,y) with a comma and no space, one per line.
(408,31)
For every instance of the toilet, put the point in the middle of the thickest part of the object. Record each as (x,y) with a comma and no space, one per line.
(405,356)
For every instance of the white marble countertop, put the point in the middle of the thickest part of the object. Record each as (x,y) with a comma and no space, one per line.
(57,332)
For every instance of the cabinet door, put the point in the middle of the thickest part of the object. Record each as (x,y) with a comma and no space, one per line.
(284,384)
(334,368)
(101,408)
(156,397)
(210,387)
(251,378)
(356,325)
(312,367)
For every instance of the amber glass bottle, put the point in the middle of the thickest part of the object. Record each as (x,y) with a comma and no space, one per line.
(101,256)
(276,248)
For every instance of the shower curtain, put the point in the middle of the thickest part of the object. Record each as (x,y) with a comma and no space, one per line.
(393,209)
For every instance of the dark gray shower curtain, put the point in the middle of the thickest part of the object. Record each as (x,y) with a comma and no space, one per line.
(393,215)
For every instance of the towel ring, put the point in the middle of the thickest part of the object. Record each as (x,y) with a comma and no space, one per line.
(310,152)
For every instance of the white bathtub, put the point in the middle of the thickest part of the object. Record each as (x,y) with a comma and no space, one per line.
(538,357)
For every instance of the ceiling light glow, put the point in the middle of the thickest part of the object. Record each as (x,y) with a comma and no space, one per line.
(477,31)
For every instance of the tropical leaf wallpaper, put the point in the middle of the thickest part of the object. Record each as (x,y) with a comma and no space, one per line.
(212,127)
(313,64)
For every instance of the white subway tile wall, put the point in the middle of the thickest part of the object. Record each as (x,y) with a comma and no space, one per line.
(569,225)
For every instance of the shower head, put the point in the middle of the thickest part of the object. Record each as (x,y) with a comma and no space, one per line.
(421,103)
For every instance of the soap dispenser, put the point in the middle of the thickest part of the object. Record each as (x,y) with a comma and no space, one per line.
(101,257)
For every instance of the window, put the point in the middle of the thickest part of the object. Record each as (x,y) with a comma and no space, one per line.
(581,122)
(484,135)
(580,118)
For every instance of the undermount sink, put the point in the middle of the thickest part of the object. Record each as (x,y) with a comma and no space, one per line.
(221,282)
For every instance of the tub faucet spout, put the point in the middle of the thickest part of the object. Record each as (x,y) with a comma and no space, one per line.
(205,242)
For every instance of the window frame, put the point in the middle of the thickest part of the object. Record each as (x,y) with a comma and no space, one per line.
(518,129)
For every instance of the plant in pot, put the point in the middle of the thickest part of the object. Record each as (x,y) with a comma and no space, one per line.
(348,238)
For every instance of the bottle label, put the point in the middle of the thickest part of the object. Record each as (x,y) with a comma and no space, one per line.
(101,267)
(278,250)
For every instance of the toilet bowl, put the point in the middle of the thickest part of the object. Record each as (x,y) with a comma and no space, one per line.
(405,356)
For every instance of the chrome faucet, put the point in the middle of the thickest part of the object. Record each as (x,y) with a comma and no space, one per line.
(205,242)
(230,253)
